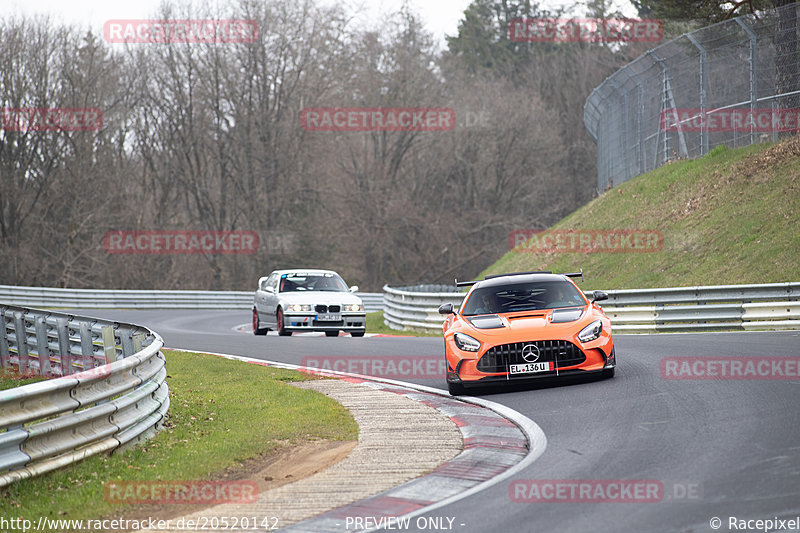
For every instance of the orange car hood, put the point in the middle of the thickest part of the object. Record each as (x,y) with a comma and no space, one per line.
(524,325)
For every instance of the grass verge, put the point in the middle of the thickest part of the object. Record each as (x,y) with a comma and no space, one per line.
(10,379)
(375,324)
(222,413)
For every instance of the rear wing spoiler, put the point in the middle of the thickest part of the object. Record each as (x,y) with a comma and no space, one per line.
(473,282)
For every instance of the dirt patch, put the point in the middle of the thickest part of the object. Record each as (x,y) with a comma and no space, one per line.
(284,465)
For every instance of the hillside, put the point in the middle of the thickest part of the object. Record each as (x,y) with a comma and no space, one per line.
(730,217)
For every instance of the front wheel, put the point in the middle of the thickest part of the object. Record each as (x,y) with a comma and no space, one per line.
(357,333)
(281,328)
(256,329)
(332,333)
(608,373)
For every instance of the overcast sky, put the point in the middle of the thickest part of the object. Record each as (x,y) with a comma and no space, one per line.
(441,17)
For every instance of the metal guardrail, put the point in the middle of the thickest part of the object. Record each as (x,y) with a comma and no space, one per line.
(722,307)
(108,389)
(410,307)
(142,299)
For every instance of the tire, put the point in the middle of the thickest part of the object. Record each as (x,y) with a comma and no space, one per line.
(456,389)
(279,319)
(257,330)
(332,333)
(609,373)
(357,333)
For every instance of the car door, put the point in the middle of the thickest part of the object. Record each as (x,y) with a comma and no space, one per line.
(266,300)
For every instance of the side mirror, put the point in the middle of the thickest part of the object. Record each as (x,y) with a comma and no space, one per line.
(446,309)
(354,288)
(270,289)
(598,296)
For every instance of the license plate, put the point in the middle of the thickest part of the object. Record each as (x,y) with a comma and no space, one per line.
(530,368)
(329,317)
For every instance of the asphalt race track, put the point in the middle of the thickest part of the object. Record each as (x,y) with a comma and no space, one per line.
(720,448)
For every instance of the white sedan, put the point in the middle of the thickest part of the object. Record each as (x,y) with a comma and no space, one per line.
(307,300)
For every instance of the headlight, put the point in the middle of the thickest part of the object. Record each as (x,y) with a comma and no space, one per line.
(354,307)
(466,343)
(299,308)
(591,332)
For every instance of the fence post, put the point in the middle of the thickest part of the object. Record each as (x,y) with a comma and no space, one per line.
(753,76)
(703,91)
(668,101)
(640,154)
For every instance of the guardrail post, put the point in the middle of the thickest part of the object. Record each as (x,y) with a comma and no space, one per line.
(126,341)
(22,342)
(109,344)
(64,346)
(87,349)
(42,346)
(4,351)
(138,341)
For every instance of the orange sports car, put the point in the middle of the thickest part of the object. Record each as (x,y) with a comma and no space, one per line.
(523,326)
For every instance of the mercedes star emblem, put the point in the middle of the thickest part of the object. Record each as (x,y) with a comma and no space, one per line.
(530,352)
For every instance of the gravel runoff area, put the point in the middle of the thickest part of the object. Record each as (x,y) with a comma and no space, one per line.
(399,439)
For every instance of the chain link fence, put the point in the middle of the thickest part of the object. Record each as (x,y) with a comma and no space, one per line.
(734,83)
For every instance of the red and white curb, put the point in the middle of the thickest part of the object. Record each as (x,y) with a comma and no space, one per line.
(498,443)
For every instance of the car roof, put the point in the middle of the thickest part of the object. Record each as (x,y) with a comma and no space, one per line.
(304,271)
(509,279)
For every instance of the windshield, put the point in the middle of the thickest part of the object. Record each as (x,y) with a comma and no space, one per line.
(312,282)
(522,297)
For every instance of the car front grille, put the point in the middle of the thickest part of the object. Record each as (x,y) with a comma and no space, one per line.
(322,308)
(562,353)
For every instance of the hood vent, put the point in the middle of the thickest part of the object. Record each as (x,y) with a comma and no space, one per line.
(567,314)
(487,322)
